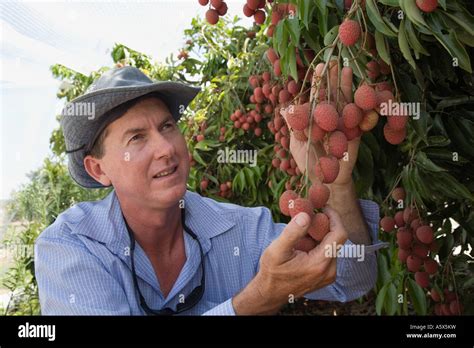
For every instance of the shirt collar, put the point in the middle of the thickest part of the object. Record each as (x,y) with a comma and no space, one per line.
(201,218)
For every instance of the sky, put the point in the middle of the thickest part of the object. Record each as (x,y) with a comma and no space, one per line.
(35,35)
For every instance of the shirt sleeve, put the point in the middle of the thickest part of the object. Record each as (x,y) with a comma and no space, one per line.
(72,281)
(356,264)
(225,308)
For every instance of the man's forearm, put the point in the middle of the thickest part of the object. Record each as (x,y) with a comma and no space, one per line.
(344,200)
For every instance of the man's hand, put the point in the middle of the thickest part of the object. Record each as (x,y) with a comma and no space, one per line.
(298,148)
(288,273)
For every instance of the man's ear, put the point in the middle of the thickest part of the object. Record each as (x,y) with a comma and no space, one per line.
(94,168)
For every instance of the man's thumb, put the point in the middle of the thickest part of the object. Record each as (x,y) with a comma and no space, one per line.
(293,232)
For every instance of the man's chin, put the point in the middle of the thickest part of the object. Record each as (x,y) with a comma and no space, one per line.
(168,196)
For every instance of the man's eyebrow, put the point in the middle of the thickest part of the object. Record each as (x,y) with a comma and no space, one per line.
(140,129)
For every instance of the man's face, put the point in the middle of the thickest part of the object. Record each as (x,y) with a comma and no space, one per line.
(140,148)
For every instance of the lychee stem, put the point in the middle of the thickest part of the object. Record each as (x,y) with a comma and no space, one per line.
(357,65)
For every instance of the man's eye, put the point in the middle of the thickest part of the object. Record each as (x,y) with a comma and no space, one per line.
(136,137)
(168,125)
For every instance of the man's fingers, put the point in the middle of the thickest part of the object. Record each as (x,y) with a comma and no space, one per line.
(346,83)
(293,232)
(333,77)
(337,233)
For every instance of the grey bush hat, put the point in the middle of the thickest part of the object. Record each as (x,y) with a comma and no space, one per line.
(82,118)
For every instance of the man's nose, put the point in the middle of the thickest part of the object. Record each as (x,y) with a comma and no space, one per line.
(162,146)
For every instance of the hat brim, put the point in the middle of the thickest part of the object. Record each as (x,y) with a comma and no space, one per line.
(82,129)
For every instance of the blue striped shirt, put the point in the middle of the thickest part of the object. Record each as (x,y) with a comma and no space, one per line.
(82,261)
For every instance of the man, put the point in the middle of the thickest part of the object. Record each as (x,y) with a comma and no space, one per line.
(152,247)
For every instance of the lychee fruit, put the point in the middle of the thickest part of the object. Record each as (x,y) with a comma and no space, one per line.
(369,120)
(326,116)
(298,116)
(397,122)
(403,255)
(413,263)
(387,223)
(319,227)
(301,205)
(420,250)
(203,2)
(392,136)
(318,194)
(435,295)
(399,194)
(352,115)
(306,244)
(427,5)
(272,55)
(212,16)
(409,214)
(349,32)
(317,133)
(337,144)
(384,97)
(216,3)
(424,234)
(455,307)
(373,70)
(259,17)
(422,279)
(399,219)
(404,239)
(365,97)
(327,169)
(253,4)
(431,266)
(287,199)
(222,9)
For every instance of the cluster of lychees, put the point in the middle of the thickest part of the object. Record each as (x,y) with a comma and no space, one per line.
(292,204)
(417,245)
(415,240)
(248,121)
(217,8)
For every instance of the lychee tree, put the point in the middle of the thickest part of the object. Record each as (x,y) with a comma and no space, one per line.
(403,53)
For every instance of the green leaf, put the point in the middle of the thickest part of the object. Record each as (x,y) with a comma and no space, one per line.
(379,302)
(463,19)
(291,54)
(331,35)
(449,41)
(417,296)
(424,162)
(404,46)
(393,3)
(322,13)
(413,12)
(390,302)
(198,158)
(413,39)
(381,45)
(293,27)
(376,19)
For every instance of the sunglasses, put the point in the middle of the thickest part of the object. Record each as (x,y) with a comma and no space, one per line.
(189,301)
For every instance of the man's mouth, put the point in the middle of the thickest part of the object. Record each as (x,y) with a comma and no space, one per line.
(166,172)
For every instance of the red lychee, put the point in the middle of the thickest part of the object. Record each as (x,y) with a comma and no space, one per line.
(425,234)
(306,244)
(287,199)
(298,116)
(337,144)
(387,223)
(212,16)
(422,279)
(365,97)
(352,115)
(392,136)
(326,116)
(349,32)
(318,194)
(301,205)
(427,5)
(319,227)
(413,263)
(327,169)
